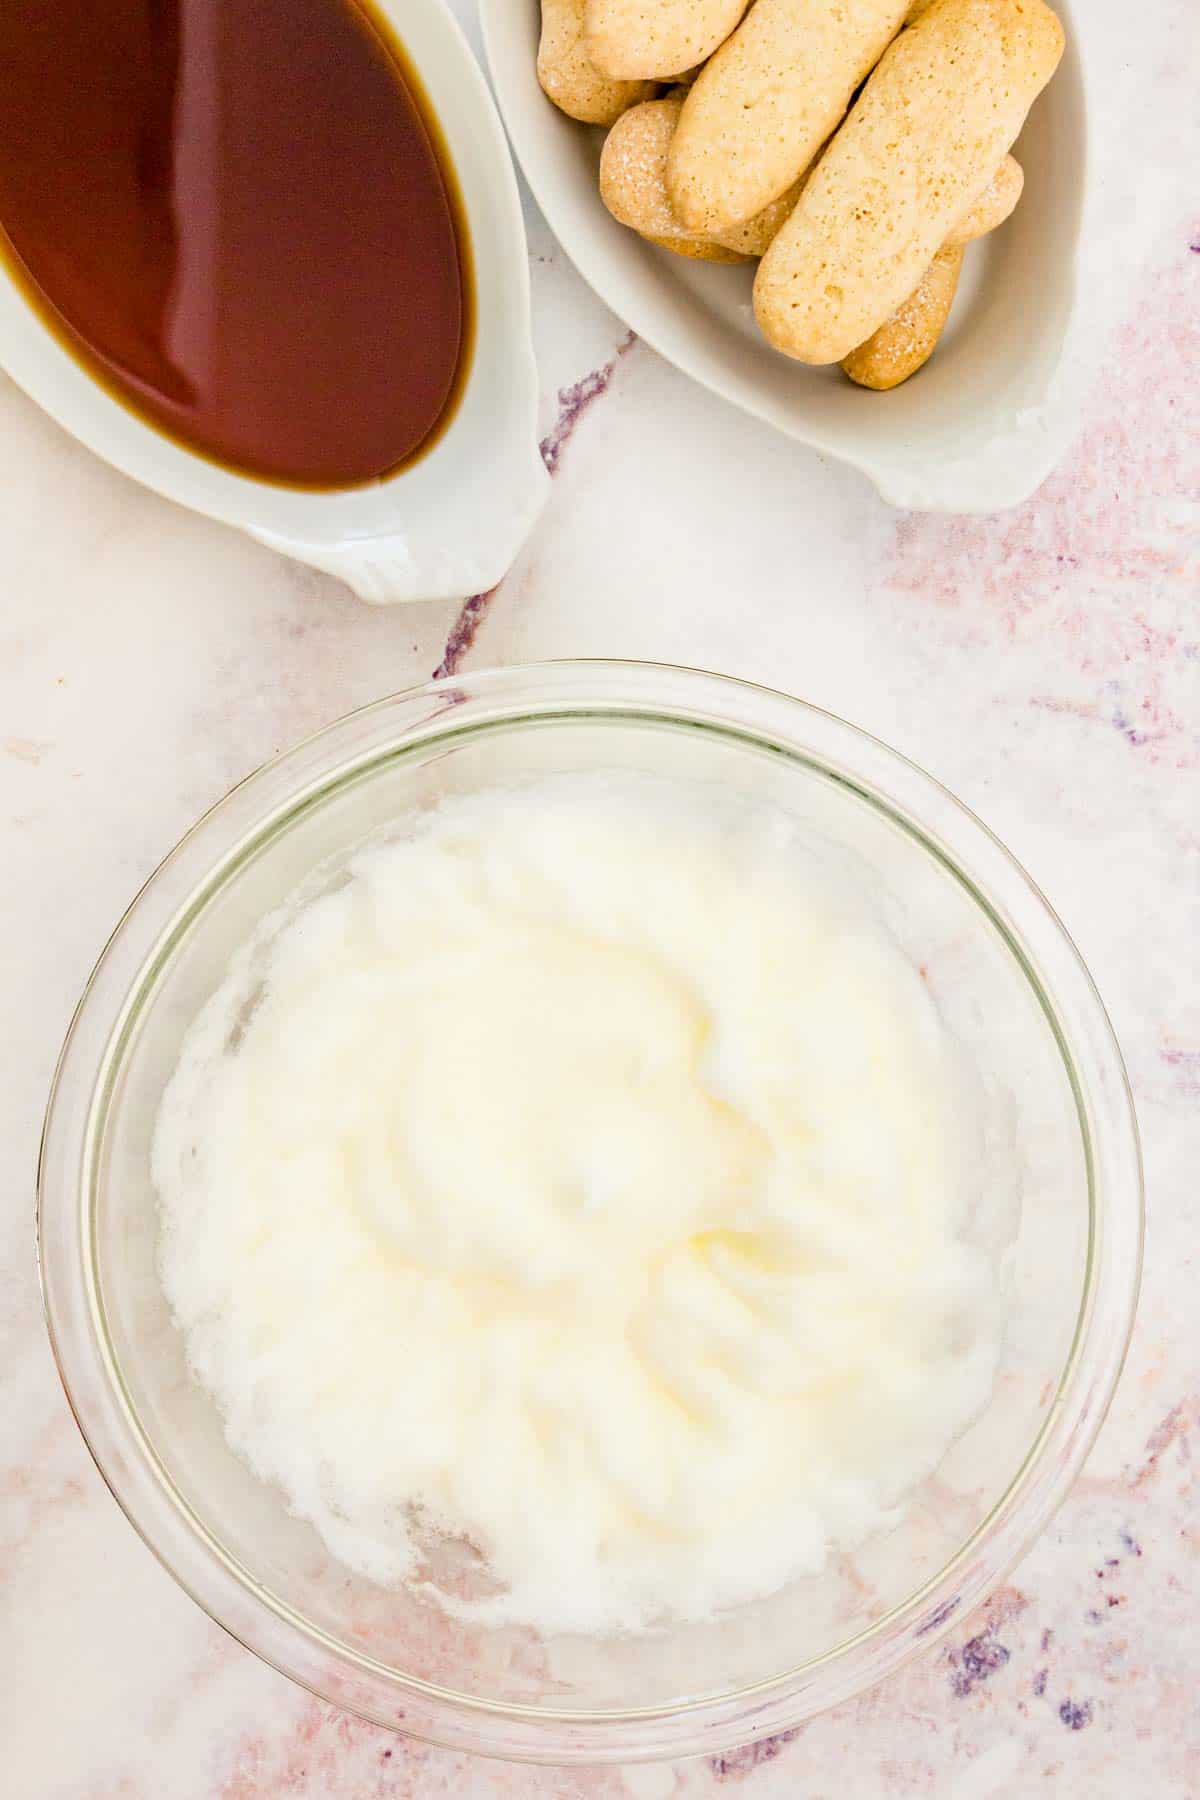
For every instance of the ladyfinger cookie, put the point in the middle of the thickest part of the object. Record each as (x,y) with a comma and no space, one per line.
(655,39)
(907,340)
(633,184)
(945,103)
(765,103)
(568,78)
(699,249)
(753,237)
(633,164)
(992,206)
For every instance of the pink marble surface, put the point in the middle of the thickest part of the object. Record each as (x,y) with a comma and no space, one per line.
(1045,664)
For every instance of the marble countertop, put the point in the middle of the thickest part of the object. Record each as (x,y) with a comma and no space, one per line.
(1045,664)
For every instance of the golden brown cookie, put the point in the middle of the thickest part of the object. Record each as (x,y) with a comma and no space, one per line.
(570,80)
(993,206)
(753,237)
(633,183)
(632,165)
(945,103)
(699,249)
(767,101)
(656,38)
(907,340)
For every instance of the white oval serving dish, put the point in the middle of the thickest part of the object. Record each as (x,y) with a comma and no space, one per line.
(977,430)
(450,524)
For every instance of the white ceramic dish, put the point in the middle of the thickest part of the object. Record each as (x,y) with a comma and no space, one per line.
(452,523)
(981,426)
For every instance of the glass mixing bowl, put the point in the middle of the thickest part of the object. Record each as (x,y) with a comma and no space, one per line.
(1061,1161)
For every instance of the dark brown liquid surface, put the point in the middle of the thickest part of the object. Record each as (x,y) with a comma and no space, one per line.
(236,214)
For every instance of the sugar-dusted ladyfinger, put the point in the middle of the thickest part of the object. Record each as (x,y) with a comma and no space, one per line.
(908,339)
(755,234)
(656,39)
(633,184)
(568,78)
(992,206)
(905,342)
(766,102)
(945,103)
(699,249)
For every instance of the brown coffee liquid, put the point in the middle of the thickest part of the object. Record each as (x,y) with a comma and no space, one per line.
(238,215)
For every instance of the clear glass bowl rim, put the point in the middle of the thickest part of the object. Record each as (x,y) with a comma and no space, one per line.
(262,804)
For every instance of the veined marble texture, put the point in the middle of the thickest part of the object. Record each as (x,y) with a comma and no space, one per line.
(1043,663)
